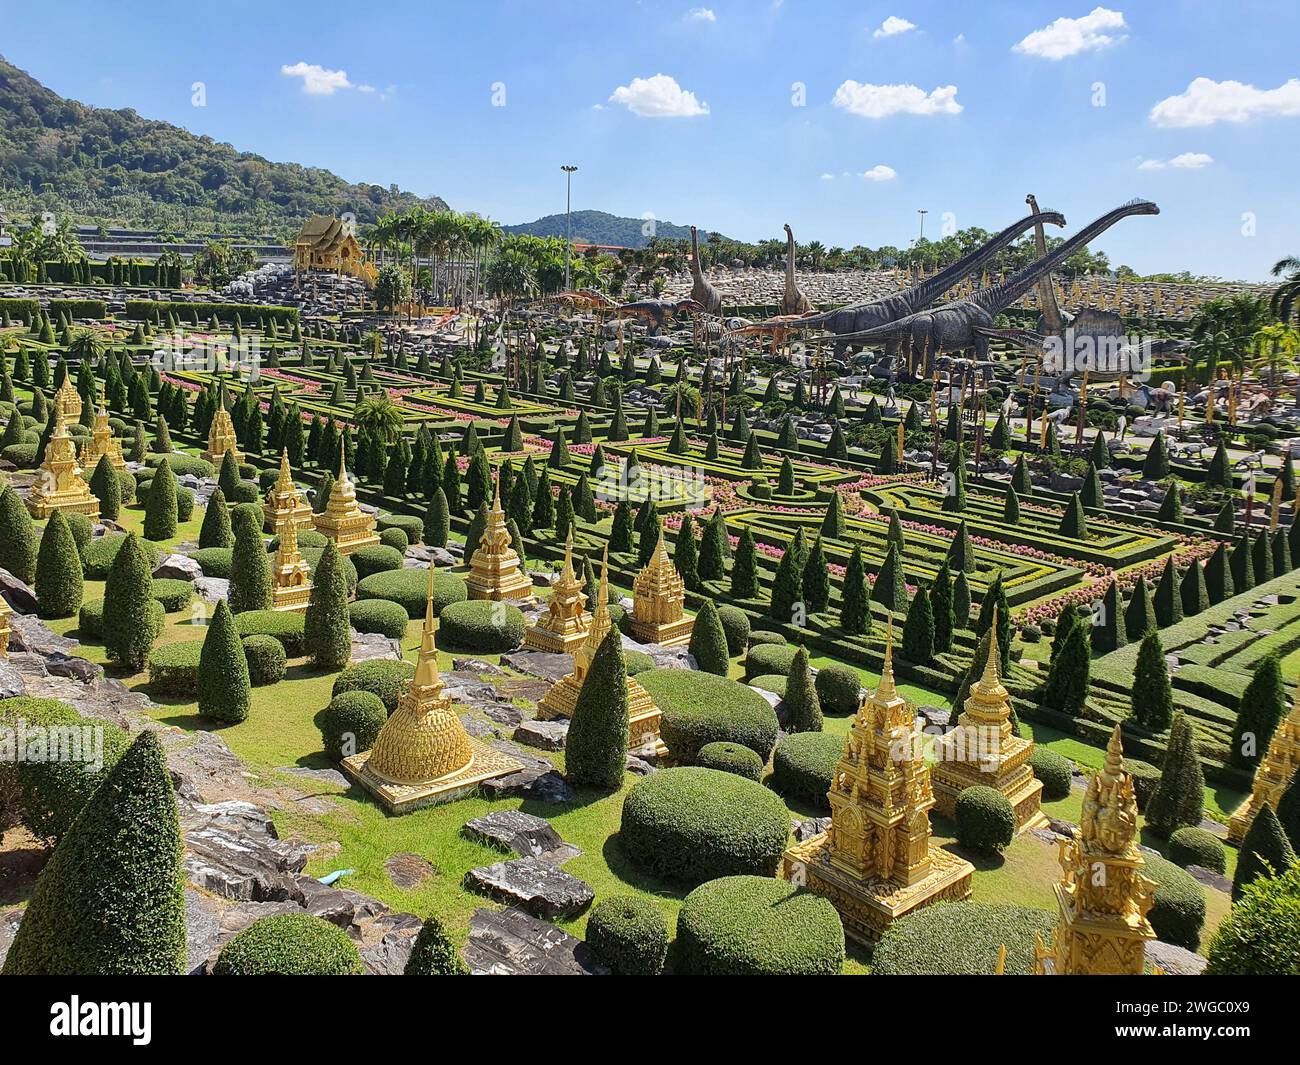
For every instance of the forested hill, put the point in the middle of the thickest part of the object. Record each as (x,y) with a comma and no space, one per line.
(600,227)
(116,168)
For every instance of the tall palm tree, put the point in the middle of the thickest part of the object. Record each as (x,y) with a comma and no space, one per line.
(1285,301)
(1276,346)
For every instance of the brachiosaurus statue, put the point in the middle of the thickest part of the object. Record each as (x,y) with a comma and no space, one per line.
(702,292)
(793,300)
(968,323)
(1050,310)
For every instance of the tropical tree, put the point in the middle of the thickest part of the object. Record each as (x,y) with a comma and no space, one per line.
(380,415)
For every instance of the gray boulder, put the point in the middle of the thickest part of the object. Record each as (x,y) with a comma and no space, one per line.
(538,886)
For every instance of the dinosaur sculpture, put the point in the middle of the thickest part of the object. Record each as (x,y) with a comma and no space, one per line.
(865,316)
(968,323)
(655,312)
(793,300)
(702,292)
(1050,316)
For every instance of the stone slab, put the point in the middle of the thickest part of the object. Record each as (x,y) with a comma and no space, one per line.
(538,886)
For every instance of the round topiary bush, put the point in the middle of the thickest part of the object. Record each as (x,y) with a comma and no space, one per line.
(289,944)
(735,626)
(285,625)
(1261,935)
(986,821)
(410,524)
(1178,912)
(761,637)
(410,587)
(699,708)
(1196,846)
(837,688)
(730,758)
(266,658)
(756,926)
(770,682)
(379,615)
(183,464)
(804,766)
(628,935)
(381,677)
(23,456)
(769,658)
(962,939)
(377,559)
(692,824)
(101,552)
(637,662)
(173,594)
(394,539)
(351,723)
(481,625)
(174,668)
(214,561)
(1146,778)
(90,619)
(1054,770)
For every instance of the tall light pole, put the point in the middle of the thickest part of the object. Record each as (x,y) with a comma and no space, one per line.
(922,212)
(568,220)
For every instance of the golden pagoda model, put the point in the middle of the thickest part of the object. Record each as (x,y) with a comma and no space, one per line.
(562,627)
(423,755)
(101,443)
(283,503)
(494,571)
(4,628)
(642,713)
(221,434)
(67,402)
(59,485)
(657,597)
(982,750)
(1103,896)
(343,520)
(290,574)
(1281,761)
(876,862)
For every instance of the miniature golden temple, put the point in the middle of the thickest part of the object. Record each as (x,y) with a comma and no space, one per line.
(1103,896)
(4,628)
(876,862)
(221,434)
(1280,764)
(657,597)
(562,627)
(67,401)
(983,750)
(59,484)
(343,520)
(283,501)
(101,443)
(290,574)
(642,713)
(423,755)
(494,571)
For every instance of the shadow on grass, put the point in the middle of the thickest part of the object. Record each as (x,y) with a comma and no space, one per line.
(19,868)
(631,874)
(983,863)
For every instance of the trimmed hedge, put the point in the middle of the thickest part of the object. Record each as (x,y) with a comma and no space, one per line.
(629,935)
(410,587)
(410,524)
(1195,846)
(803,766)
(381,677)
(351,723)
(770,682)
(837,688)
(755,926)
(379,615)
(769,658)
(285,625)
(762,637)
(101,552)
(735,626)
(962,939)
(267,661)
(174,668)
(691,825)
(481,625)
(214,561)
(377,559)
(290,944)
(1178,912)
(90,619)
(699,708)
(174,594)
(986,820)
(730,758)
(1261,936)
(1054,770)
(637,662)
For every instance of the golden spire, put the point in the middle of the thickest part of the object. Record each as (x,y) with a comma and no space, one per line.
(886,690)
(567,575)
(600,620)
(990,678)
(496,489)
(285,481)
(1000,969)
(1113,767)
(343,454)
(426,666)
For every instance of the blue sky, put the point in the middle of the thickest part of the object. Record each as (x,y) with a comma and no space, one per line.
(960,109)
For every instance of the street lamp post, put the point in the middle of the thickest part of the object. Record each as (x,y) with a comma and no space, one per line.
(922,212)
(568,220)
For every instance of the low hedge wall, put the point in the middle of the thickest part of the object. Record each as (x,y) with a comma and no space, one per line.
(410,587)
(962,939)
(382,677)
(174,668)
(379,615)
(267,660)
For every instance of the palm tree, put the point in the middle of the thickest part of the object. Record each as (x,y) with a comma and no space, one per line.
(1286,297)
(1226,329)
(87,345)
(1276,346)
(378,413)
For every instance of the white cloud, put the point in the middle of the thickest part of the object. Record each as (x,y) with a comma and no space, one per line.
(1070,36)
(880,172)
(1206,102)
(881,101)
(1186,161)
(658,97)
(700,14)
(893,26)
(316,79)
(828,177)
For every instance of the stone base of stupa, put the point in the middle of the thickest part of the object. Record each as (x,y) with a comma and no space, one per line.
(485,764)
(302,515)
(642,719)
(667,634)
(867,909)
(42,507)
(537,638)
(291,599)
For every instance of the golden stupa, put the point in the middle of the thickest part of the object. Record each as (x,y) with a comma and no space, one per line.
(983,750)
(423,755)
(221,434)
(4,628)
(59,484)
(1103,896)
(101,443)
(562,626)
(283,501)
(1280,764)
(876,862)
(494,570)
(67,401)
(657,597)
(642,713)
(343,520)
(290,574)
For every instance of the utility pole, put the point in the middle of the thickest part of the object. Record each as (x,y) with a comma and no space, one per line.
(568,220)
(922,212)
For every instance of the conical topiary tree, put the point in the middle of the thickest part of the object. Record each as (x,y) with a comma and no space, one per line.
(1218,575)
(327,632)
(918,629)
(787,605)
(1074,523)
(17,536)
(961,556)
(224,690)
(801,702)
(941,608)
(111,900)
(130,621)
(1193,592)
(434,954)
(855,609)
(1265,852)
(995,602)
(1180,796)
(1262,707)
(1168,600)
(889,589)
(1067,681)
(816,579)
(1110,635)
(250,568)
(160,508)
(1140,614)
(596,748)
(105,486)
(215,529)
(1155,467)
(954,497)
(744,567)
(712,563)
(709,641)
(833,522)
(1152,696)
(437,519)
(59,581)
(686,553)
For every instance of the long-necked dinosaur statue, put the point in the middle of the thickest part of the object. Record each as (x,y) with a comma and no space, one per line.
(862,316)
(967,324)
(793,300)
(1049,310)
(702,292)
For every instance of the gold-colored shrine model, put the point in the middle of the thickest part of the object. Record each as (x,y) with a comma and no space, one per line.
(290,575)
(983,750)
(1103,896)
(343,520)
(67,402)
(494,570)
(658,594)
(59,484)
(423,755)
(876,862)
(221,434)
(4,628)
(1280,764)
(562,627)
(101,443)
(283,501)
(642,713)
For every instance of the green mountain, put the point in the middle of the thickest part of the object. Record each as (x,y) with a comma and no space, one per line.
(600,227)
(116,168)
